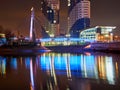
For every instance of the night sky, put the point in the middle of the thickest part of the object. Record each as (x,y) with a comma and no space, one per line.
(15,14)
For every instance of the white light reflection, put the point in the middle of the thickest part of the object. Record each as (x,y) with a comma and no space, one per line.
(3,66)
(31,76)
(53,70)
(68,69)
(84,66)
(110,70)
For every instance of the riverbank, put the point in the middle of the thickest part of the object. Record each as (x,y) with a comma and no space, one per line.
(107,47)
(68,48)
(104,47)
(22,50)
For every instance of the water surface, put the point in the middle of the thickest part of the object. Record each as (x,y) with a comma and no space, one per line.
(60,71)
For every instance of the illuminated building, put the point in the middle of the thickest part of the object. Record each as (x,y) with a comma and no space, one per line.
(78,16)
(50,9)
(2,39)
(98,33)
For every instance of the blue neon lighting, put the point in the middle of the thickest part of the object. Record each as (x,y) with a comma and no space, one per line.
(45,63)
(27,62)
(14,63)
(60,63)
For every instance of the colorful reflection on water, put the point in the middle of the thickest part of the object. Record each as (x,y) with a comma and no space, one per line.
(60,71)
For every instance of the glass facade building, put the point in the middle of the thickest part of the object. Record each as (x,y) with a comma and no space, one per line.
(78,16)
(98,33)
(50,9)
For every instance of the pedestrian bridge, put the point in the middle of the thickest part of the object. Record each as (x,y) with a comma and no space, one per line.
(63,41)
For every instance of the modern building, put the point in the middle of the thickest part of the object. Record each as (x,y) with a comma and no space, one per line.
(98,33)
(78,16)
(50,9)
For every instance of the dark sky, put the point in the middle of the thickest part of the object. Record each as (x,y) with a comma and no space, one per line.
(13,13)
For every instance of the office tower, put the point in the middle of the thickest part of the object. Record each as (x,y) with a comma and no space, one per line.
(50,9)
(78,16)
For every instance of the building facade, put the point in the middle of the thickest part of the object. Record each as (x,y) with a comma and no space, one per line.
(50,9)
(98,33)
(78,16)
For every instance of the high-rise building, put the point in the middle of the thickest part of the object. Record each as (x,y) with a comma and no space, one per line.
(78,16)
(50,9)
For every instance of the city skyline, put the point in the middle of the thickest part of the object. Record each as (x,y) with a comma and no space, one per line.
(50,10)
(102,12)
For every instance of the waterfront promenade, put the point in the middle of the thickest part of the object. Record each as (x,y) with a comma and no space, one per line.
(90,47)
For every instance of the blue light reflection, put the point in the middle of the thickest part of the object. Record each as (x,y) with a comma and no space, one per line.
(14,63)
(27,62)
(84,66)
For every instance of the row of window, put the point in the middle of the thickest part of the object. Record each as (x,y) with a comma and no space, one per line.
(88,37)
(83,35)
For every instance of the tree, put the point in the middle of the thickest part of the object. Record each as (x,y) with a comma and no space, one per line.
(8,34)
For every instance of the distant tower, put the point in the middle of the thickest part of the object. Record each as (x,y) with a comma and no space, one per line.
(50,9)
(78,16)
(32,28)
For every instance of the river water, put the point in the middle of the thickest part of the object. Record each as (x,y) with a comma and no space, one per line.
(60,71)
